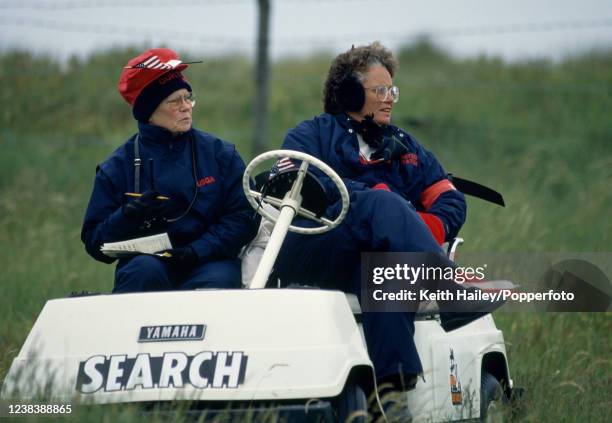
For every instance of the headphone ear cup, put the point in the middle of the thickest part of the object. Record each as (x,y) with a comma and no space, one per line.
(350,95)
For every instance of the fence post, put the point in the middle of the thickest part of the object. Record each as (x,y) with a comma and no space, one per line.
(262,79)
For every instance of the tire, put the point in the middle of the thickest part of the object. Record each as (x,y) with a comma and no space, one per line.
(492,399)
(352,406)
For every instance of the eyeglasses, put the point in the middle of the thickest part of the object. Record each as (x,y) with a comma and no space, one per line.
(177,102)
(382,91)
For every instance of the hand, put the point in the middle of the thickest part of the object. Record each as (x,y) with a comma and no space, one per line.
(149,205)
(180,255)
(391,149)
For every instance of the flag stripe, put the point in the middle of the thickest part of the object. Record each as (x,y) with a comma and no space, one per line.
(149,60)
(154,62)
(281,165)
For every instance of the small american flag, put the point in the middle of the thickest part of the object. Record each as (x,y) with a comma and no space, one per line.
(154,62)
(281,165)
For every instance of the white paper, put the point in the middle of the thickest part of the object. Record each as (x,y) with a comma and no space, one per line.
(147,245)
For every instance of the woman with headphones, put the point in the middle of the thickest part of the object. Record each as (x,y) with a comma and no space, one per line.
(401,201)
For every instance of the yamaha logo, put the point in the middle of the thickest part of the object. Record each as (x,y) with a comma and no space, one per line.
(171,333)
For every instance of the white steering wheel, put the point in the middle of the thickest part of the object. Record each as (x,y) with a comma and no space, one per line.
(256,201)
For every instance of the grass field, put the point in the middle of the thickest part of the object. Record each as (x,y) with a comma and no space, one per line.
(539,132)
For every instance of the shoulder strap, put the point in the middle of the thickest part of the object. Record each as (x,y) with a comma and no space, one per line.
(136,165)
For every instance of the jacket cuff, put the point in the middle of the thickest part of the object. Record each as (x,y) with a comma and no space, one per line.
(435,225)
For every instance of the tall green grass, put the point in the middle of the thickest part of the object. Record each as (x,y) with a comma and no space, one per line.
(537,131)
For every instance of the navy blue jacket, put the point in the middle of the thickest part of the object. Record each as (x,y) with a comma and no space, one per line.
(220,221)
(416,175)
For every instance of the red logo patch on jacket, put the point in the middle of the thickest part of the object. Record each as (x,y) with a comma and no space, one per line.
(206,181)
(410,158)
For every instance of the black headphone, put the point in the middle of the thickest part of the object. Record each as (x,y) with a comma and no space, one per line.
(349,93)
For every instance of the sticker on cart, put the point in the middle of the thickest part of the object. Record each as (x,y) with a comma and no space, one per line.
(455,383)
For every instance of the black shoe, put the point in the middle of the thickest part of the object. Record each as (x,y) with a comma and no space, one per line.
(457,313)
(452,321)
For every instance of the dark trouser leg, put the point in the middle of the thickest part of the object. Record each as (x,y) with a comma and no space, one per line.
(140,274)
(214,274)
(384,221)
(390,340)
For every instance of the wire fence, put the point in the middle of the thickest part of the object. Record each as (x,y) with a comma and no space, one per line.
(191,37)
(91,4)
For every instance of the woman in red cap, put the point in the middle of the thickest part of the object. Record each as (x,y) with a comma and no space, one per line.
(169,177)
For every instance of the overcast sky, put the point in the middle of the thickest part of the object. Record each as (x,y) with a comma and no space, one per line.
(512,29)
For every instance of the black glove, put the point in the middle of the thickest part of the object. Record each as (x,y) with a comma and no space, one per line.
(390,149)
(150,205)
(180,255)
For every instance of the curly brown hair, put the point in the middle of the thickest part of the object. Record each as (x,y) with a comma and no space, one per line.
(354,62)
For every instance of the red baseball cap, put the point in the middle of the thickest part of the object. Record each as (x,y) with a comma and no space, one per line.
(146,68)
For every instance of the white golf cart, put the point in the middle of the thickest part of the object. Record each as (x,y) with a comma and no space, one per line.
(297,352)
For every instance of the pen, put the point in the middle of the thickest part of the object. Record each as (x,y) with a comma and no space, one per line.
(135,194)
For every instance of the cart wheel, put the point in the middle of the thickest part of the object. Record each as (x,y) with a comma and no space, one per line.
(352,405)
(492,399)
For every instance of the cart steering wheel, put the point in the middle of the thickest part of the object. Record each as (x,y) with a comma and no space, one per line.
(292,198)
